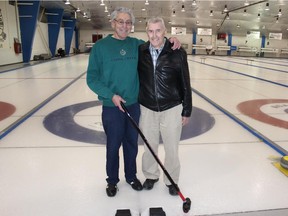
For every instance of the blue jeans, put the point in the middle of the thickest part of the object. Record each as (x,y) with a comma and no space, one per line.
(119,129)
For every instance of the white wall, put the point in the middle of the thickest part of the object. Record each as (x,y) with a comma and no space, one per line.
(40,44)
(86,37)
(11,29)
(7,54)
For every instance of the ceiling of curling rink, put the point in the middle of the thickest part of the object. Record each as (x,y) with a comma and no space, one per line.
(235,17)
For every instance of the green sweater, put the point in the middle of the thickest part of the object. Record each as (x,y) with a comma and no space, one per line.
(112,69)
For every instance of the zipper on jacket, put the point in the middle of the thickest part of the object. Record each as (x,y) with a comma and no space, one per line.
(156,86)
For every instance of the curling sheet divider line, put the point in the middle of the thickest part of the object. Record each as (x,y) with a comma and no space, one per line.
(11,127)
(265,80)
(256,133)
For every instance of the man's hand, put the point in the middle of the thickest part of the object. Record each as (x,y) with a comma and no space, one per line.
(176,43)
(185,120)
(116,100)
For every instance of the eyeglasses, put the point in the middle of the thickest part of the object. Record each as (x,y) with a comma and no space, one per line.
(121,22)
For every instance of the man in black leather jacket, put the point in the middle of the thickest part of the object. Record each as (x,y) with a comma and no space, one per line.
(165,99)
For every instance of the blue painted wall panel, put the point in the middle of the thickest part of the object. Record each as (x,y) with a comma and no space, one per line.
(263,42)
(194,42)
(69,26)
(77,38)
(54,18)
(28,15)
(229,44)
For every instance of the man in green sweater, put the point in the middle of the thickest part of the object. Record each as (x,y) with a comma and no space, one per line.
(112,75)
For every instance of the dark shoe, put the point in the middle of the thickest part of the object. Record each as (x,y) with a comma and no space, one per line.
(111,190)
(136,184)
(172,190)
(149,183)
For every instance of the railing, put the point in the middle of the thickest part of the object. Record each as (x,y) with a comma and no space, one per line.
(284,51)
(225,48)
(269,50)
(247,49)
(89,45)
(202,47)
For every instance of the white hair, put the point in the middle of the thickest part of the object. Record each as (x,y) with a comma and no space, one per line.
(118,10)
(156,20)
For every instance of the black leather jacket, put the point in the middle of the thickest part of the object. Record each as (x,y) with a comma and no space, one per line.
(169,85)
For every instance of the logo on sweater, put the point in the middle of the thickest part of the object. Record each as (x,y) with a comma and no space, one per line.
(122,52)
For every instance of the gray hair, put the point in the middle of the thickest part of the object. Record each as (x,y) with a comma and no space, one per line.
(156,20)
(118,10)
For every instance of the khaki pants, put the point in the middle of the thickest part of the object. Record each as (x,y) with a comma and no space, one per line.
(169,124)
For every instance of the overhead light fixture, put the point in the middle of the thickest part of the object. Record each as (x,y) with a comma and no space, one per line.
(143,9)
(67,2)
(277,20)
(211,12)
(238,26)
(146,2)
(228,17)
(78,10)
(102,3)
(280,13)
(106,10)
(173,14)
(194,3)
(245,12)
(246,3)
(197,22)
(267,6)
(225,9)
(183,8)
(258,16)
